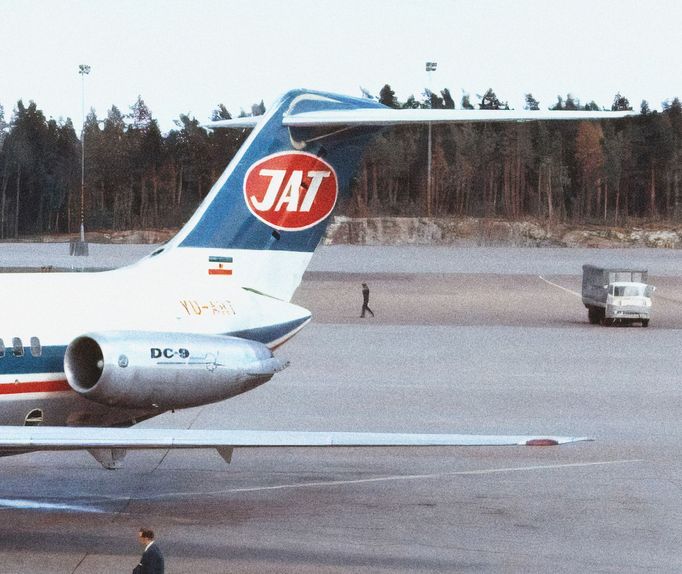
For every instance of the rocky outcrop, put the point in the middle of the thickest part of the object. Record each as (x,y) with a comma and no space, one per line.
(438,231)
(489,232)
(135,236)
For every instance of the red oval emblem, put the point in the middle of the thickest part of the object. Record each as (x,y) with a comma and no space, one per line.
(291,190)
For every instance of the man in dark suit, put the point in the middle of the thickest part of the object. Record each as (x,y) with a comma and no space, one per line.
(152,559)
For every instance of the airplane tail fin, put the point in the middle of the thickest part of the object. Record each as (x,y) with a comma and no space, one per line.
(263,218)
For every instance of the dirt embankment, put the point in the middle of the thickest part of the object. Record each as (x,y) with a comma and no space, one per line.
(144,236)
(440,231)
(472,231)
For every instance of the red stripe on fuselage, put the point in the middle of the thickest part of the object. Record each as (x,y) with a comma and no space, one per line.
(34,387)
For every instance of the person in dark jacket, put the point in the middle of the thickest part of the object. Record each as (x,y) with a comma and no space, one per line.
(365,301)
(152,559)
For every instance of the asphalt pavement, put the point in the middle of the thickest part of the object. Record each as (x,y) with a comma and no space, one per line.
(480,341)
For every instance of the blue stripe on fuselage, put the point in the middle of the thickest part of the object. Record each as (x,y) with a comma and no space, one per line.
(271,333)
(51,359)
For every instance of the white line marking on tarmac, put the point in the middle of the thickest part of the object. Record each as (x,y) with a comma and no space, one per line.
(560,287)
(23,504)
(392,478)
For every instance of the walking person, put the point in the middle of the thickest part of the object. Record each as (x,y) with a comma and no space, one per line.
(152,559)
(365,301)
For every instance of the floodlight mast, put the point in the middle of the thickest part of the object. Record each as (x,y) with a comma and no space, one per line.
(430,67)
(83,70)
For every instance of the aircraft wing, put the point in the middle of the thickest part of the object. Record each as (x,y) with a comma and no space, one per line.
(391,117)
(109,445)
(76,438)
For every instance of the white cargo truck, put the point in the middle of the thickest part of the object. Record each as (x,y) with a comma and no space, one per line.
(616,295)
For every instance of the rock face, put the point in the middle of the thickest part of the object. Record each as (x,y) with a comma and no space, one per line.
(439,231)
(471,231)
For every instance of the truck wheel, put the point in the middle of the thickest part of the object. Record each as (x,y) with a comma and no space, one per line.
(645,322)
(593,315)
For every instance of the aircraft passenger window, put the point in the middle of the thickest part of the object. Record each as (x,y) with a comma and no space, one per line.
(36,349)
(2,348)
(17,347)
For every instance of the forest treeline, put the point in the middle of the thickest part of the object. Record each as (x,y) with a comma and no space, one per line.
(609,171)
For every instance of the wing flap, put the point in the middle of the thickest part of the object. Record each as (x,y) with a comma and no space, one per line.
(77,438)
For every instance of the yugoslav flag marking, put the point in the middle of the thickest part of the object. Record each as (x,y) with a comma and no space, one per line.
(220,265)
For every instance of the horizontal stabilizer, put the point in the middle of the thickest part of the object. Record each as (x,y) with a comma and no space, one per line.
(388,117)
(76,438)
(245,122)
(391,117)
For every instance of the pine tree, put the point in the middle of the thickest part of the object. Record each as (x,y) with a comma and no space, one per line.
(387,97)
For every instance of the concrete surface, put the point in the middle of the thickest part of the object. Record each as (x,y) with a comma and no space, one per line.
(460,343)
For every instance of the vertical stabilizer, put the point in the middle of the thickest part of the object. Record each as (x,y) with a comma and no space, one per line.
(261,221)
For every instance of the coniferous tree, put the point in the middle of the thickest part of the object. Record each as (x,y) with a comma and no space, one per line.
(411,103)
(258,109)
(490,101)
(448,102)
(466,102)
(387,97)
(590,160)
(620,104)
(220,113)
(531,103)
(3,126)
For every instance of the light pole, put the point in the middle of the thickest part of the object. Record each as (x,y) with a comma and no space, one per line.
(82,247)
(430,67)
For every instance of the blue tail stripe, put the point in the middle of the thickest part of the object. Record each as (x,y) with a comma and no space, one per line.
(227,221)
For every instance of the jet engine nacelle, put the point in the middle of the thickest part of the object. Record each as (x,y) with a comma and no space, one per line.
(143,370)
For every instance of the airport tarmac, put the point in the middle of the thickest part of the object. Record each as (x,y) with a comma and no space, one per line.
(478,340)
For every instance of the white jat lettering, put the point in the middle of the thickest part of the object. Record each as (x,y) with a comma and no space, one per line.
(277,177)
(290,194)
(291,190)
(317,177)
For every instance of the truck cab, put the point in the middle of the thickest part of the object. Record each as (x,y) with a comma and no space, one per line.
(627,301)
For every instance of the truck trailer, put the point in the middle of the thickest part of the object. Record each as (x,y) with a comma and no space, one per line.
(616,295)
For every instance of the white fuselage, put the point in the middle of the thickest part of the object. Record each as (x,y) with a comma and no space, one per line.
(49,310)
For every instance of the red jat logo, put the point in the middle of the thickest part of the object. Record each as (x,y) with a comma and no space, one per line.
(291,191)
